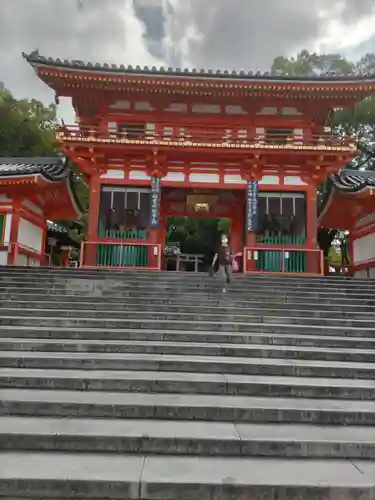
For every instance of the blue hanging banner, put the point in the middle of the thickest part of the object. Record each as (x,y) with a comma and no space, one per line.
(155,202)
(252,206)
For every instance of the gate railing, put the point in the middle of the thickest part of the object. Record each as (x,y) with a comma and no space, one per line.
(121,255)
(274,260)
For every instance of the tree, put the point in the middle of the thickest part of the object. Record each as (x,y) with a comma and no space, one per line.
(307,64)
(27,127)
(359,123)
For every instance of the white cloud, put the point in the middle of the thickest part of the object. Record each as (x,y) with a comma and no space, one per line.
(341,37)
(224,34)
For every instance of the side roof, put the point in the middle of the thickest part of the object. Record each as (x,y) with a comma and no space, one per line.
(53,168)
(354,185)
(353,182)
(35,59)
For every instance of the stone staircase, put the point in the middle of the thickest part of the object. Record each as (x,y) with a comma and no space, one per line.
(116,385)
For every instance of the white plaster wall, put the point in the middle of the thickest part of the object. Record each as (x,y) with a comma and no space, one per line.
(294,180)
(8,223)
(4,198)
(31,206)
(209,178)
(174,177)
(3,258)
(139,175)
(233,179)
(270,179)
(113,174)
(366,220)
(30,236)
(364,249)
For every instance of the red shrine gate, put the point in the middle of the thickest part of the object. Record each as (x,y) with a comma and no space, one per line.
(256,146)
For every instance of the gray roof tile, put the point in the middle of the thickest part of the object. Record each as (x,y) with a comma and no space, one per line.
(35,58)
(52,168)
(352,183)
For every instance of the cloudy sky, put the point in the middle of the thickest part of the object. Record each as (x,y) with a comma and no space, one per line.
(225,34)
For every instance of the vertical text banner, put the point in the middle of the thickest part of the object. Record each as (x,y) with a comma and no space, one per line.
(155,201)
(252,206)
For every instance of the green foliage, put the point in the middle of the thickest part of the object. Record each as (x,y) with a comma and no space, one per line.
(359,123)
(196,235)
(27,127)
(309,64)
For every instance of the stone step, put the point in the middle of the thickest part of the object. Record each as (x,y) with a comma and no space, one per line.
(160,281)
(187,349)
(114,335)
(258,316)
(186,383)
(158,305)
(208,407)
(125,289)
(139,477)
(128,274)
(260,324)
(209,300)
(169,437)
(182,363)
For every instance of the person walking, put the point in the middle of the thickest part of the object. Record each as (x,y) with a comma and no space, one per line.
(224,259)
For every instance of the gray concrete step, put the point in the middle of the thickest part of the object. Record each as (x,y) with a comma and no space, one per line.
(124,334)
(161,281)
(185,363)
(249,316)
(259,324)
(140,477)
(188,349)
(123,274)
(267,391)
(206,299)
(215,307)
(131,289)
(187,383)
(170,437)
(92,404)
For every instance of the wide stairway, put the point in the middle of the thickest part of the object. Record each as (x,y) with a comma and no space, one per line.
(117,385)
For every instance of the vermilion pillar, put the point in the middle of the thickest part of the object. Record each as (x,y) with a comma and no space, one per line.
(313,258)
(236,233)
(89,258)
(13,237)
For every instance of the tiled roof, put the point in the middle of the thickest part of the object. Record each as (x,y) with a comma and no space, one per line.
(56,228)
(352,183)
(35,58)
(52,168)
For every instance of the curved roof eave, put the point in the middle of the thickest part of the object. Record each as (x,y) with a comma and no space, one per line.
(53,168)
(35,59)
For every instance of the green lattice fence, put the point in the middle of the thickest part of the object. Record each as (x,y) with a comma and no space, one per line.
(272,260)
(112,255)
